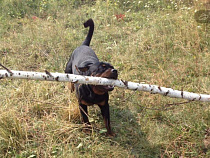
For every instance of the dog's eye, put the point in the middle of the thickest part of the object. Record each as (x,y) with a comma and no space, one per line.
(104,66)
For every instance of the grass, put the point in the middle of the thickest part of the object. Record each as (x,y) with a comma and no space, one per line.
(157,42)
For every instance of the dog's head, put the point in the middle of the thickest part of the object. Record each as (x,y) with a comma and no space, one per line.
(100,69)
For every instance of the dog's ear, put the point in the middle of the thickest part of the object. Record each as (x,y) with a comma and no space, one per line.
(84,66)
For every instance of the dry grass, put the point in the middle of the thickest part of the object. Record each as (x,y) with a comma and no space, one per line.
(156,43)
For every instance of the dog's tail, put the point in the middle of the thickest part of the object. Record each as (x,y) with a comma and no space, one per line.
(87,40)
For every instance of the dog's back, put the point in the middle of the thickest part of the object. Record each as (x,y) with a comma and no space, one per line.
(82,56)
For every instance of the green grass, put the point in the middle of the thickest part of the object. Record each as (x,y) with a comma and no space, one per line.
(157,42)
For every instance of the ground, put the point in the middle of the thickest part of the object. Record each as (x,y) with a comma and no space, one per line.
(148,41)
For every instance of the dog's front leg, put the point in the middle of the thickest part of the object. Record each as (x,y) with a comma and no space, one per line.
(84,113)
(106,117)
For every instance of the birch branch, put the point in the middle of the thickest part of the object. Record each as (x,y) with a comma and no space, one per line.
(61,77)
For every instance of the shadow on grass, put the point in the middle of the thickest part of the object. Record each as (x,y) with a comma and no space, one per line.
(130,135)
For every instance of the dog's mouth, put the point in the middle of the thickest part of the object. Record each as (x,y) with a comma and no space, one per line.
(106,88)
(111,87)
(109,74)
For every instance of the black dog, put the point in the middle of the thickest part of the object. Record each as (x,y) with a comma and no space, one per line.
(83,61)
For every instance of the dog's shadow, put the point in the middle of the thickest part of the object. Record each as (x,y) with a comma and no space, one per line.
(129,134)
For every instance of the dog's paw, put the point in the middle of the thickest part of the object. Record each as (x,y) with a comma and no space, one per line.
(111,134)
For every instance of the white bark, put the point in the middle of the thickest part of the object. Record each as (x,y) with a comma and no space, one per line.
(61,77)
